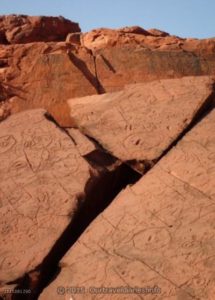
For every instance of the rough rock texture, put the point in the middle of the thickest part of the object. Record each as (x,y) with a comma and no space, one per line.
(158,233)
(20,29)
(74,38)
(152,39)
(83,144)
(62,197)
(45,75)
(140,122)
(123,64)
(124,57)
(42,174)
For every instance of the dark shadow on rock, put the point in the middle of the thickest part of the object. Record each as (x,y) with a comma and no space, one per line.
(82,66)
(99,192)
(108,64)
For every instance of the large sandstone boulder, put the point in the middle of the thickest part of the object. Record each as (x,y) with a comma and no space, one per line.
(42,75)
(142,121)
(130,63)
(123,56)
(54,182)
(42,176)
(157,235)
(19,29)
(152,39)
(46,74)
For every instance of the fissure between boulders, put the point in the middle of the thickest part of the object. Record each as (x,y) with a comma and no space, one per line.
(100,190)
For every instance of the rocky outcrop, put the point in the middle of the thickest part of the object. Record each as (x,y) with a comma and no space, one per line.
(46,74)
(152,39)
(38,162)
(108,195)
(53,182)
(20,29)
(139,123)
(157,237)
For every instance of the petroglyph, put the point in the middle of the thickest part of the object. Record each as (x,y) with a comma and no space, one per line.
(141,121)
(158,232)
(42,173)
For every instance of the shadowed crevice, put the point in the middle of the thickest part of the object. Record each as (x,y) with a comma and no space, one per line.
(82,66)
(98,194)
(200,114)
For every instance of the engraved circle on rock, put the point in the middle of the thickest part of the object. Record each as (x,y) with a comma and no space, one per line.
(137,140)
(37,140)
(151,239)
(211,156)
(199,281)
(9,262)
(7,142)
(18,166)
(190,244)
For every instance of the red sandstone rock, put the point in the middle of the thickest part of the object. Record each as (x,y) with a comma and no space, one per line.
(136,36)
(42,176)
(74,38)
(157,32)
(134,30)
(141,122)
(83,144)
(158,233)
(120,65)
(39,75)
(19,29)
(46,75)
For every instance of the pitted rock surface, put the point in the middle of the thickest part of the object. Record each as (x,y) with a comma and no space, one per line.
(158,233)
(141,121)
(45,74)
(42,173)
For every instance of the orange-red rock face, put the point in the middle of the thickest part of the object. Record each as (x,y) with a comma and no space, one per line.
(46,74)
(157,233)
(61,204)
(141,121)
(24,29)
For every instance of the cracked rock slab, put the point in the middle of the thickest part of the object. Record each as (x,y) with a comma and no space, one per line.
(41,173)
(141,121)
(45,75)
(158,233)
(83,144)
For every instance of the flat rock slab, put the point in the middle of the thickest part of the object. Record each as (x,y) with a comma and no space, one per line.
(141,121)
(158,233)
(83,144)
(41,173)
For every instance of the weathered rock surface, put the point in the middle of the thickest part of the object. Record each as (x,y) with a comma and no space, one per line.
(131,63)
(123,57)
(151,39)
(46,74)
(141,122)
(20,29)
(83,144)
(158,233)
(55,182)
(42,175)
